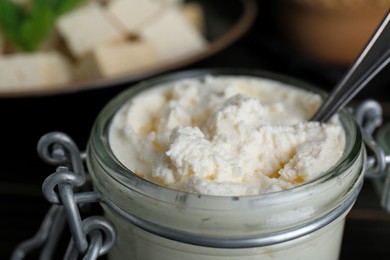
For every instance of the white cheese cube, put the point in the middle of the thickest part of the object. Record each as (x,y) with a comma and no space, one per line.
(194,13)
(86,28)
(173,36)
(131,14)
(34,70)
(169,2)
(108,61)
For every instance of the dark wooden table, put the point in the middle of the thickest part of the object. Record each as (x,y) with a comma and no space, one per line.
(24,120)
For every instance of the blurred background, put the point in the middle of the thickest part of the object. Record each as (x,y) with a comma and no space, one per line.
(314,41)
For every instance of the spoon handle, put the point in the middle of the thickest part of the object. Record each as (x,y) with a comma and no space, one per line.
(374,57)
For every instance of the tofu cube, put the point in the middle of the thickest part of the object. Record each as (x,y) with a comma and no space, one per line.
(195,15)
(132,14)
(34,70)
(169,2)
(173,35)
(86,28)
(113,60)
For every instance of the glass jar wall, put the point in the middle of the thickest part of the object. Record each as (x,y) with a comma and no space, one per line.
(154,222)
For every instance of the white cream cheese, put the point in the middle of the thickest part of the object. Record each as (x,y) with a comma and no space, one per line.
(225,135)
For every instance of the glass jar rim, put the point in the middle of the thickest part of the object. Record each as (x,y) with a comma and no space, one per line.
(125,177)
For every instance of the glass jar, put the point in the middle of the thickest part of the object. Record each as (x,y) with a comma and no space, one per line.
(154,222)
(382,183)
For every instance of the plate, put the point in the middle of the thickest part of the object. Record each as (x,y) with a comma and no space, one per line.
(225,23)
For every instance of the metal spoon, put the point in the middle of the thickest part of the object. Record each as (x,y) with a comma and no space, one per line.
(374,57)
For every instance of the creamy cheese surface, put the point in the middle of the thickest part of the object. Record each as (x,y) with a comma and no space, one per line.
(225,135)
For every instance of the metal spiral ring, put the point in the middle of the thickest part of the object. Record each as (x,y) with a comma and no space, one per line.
(95,245)
(57,148)
(369,116)
(62,175)
(101,224)
(102,238)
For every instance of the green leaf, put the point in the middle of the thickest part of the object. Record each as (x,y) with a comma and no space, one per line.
(28,29)
(36,28)
(64,6)
(11,16)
